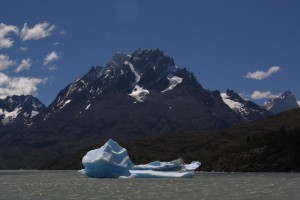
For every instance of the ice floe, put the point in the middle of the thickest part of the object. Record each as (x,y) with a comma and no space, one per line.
(112,161)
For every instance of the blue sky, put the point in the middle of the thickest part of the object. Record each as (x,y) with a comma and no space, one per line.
(252,47)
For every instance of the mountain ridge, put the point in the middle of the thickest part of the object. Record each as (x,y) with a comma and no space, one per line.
(285,101)
(19,110)
(133,96)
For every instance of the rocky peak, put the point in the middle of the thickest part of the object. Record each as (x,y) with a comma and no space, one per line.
(286,101)
(20,109)
(248,110)
(233,96)
(286,94)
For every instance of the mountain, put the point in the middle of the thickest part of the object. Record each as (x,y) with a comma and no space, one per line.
(19,110)
(142,93)
(137,95)
(248,110)
(286,101)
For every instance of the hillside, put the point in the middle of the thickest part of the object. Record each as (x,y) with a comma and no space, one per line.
(267,145)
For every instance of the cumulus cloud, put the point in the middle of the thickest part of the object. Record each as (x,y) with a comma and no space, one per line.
(52,67)
(51,57)
(37,32)
(260,75)
(19,85)
(24,65)
(56,43)
(5,30)
(263,95)
(5,62)
(23,49)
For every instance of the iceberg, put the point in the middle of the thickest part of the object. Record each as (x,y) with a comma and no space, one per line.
(175,165)
(109,161)
(112,161)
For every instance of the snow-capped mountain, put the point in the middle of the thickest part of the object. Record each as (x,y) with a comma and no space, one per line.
(19,109)
(248,110)
(142,93)
(137,75)
(285,101)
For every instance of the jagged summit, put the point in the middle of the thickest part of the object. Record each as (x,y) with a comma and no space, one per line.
(19,109)
(138,95)
(285,101)
(248,110)
(137,75)
(147,83)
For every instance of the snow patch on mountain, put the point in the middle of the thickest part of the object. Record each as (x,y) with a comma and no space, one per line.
(298,103)
(65,103)
(87,107)
(139,93)
(234,105)
(173,82)
(34,113)
(137,75)
(285,101)
(8,117)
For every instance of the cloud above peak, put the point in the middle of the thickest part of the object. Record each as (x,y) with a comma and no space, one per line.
(51,57)
(37,32)
(5,62)
(19,85)
(260,75)
(5,30)
(256,95)
(24,65)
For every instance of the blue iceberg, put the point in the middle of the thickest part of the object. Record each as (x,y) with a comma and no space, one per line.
(175,165)
(112,161)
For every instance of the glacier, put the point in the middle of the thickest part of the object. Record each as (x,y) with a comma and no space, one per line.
(112,161)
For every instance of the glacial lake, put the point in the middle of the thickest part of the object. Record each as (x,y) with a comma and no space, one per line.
(71,185)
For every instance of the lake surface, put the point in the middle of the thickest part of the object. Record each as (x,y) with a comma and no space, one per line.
(71,185)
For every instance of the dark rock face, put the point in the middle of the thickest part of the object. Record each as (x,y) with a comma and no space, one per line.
(142,94)
(19,110)
(286,101)
(145,89)
(248,110)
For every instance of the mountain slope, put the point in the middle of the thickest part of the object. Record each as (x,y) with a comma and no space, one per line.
(286,101)
(142,93)
(135,95)
(248,110)
(271,144)
(19,110)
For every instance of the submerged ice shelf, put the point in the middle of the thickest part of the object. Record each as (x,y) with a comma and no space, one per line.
(112,161)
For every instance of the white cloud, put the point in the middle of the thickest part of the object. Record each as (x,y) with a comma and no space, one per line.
(56,43)
(25,64)
(298,103)
(260,75)
(52,67)
(19,85)
(51,57)
(5,30)
(37,32)
(5,62)
(263,95)
(23,49)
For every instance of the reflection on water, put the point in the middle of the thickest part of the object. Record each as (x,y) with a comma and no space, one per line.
(70,185)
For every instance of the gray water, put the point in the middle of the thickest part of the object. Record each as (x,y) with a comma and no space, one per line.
(71,185)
